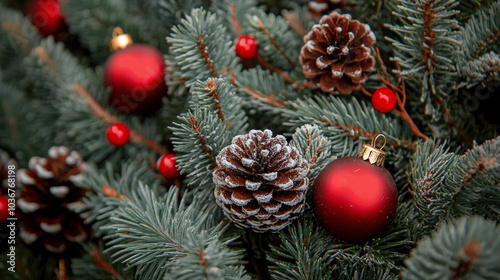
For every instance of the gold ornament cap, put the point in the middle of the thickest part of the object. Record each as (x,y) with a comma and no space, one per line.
(372,154)
(120,40)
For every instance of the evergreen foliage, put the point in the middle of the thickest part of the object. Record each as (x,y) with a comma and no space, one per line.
(465,248)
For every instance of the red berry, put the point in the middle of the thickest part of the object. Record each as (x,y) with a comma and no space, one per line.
(384,100)
(246,47)
(46,16)
(118,135)
(4,209)
(166,166)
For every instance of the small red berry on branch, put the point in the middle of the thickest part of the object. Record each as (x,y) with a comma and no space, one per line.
(246,47)
(4,209)
(166,166)
(384,100)
(118,135)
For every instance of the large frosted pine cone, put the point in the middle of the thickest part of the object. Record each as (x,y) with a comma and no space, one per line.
(261,181)
(337,53)
(49,200)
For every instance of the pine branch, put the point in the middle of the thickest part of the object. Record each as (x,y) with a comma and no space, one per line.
(480,34)
(214,118)
(347,123)
(233,14)
(273,31)
(428,45)
(483,69)
(200,47)
(314,147)
(94,21)
(170,12)
(429,168)
(475,181)
(110,189)
(17,38)
(160,236)
(301,252)
(446,185)
(466,248)
(109,119)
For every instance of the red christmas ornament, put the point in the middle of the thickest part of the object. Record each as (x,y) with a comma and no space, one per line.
(384,100)
(135,75)
(4,209)
(246,47)
(118,135)
(355,198)
(46,16)
(166,166)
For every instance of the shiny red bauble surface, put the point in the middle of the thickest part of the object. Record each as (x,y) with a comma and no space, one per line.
(354,200)
(46,16)
(384,100)
(118,135)
(136,77)
(4,209)
(246,47)
(166,166)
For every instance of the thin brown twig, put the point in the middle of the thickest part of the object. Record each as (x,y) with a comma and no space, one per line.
(102,264)
(267,99)
(234,19)
(400,101)
(274,69)
(294,24)
(204,52)
(366,92)
(108,118)
(262,28)
(197,129)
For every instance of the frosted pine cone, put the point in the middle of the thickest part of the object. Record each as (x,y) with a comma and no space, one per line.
(261,182)
(49,200)
(337,53)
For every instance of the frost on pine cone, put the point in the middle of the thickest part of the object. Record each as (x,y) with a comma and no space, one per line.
(261,182)
(317,8)
(337,53)
(49,200)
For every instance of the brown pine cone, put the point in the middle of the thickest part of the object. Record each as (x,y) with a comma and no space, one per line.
(260,181)
(49,200)
(337,53)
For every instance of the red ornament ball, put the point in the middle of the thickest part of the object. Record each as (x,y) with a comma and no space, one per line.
(246,47)
(46,16)
(136,77)
(118,135)
(384,100)
(4,209)
(354,200)
(166,166)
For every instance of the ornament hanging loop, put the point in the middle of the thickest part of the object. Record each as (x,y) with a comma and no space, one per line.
(120,40)
(372,154)
(374,141)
